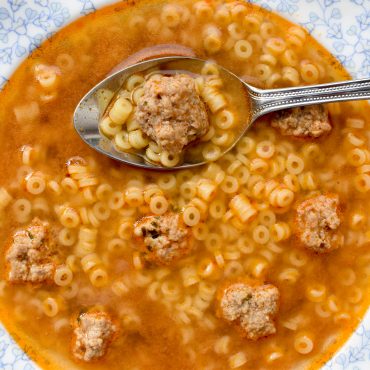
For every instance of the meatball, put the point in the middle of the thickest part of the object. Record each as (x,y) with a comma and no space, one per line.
(93,333)
(163,239)
(307,122)
(29,257)
(318,222)
(171,112)
(250,307)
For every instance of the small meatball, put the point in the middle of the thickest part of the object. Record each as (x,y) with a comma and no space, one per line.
(250,307)
(317,223)
(29,257)
(171,112)
(163,239)
(307,122)
(93,333)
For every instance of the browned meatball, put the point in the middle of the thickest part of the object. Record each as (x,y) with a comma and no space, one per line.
(171,112)
(307,122)
(318,222)
(93,332)
(250,307)
(163,239)
(29,257)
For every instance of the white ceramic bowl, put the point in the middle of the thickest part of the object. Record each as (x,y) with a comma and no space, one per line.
(342,26)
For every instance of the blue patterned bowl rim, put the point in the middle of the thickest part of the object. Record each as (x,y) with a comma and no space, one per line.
(342,26)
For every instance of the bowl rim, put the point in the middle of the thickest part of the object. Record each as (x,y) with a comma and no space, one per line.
(327,20)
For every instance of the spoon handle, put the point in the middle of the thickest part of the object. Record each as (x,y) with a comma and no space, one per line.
(265,101)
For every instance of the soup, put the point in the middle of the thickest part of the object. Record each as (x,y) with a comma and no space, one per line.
(259,260)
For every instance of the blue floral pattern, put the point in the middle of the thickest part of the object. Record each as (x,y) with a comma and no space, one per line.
(348,40)
(356,354)
(343,26)
(88,7)
(24,26)
(11,356)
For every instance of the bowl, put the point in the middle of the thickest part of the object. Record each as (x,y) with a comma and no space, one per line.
(340,25)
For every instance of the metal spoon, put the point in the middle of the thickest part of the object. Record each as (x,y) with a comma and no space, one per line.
(261,101)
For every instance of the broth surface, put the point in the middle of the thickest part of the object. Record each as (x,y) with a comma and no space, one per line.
(166,322)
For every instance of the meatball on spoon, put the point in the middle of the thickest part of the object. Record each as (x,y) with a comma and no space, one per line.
(180,128)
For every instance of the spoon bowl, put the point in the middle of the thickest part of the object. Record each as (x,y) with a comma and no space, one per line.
(88,113)
(257,103)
